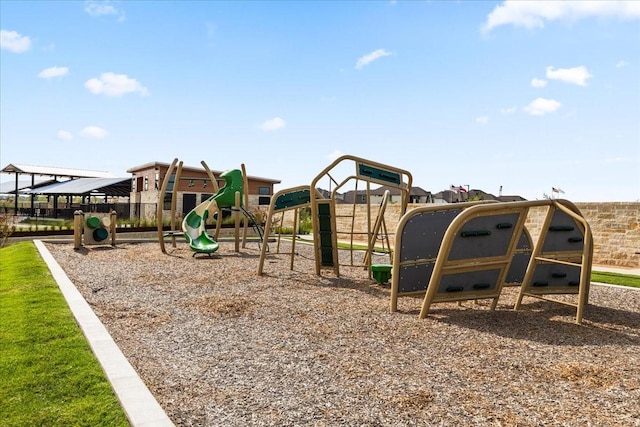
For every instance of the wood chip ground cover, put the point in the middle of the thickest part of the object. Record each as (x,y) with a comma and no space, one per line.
(220,346)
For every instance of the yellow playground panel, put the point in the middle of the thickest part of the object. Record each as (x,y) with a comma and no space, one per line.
(470,251)
(327,226)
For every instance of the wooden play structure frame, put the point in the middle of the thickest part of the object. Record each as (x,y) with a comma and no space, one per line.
(473,257)
(323,211)
(176,165)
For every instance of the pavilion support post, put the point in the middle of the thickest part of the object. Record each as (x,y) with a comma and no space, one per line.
(15,203)
(33,196)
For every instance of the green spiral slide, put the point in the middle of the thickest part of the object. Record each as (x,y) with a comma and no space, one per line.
(194,224)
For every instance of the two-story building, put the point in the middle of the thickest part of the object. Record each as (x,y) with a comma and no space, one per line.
(194,187)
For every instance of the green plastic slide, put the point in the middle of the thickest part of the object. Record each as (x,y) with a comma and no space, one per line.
(194,224)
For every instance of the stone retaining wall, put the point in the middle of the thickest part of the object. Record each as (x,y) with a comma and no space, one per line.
(615,227)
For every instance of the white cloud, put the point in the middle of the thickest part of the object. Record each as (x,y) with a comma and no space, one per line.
(103,8)
(542,106)
(370,57)
(576,75)
(621,64)
(65,135)
(273,124)
(509,110)
(111,84)
(534,14)
(14,41)
(49,73)
(538,83)
(482,120)
(93,132)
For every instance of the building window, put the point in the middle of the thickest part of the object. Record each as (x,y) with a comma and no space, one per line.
(157,180)
(264,191)
(192,183)
(204,197)
(171,182)
(264,200)
(146,183)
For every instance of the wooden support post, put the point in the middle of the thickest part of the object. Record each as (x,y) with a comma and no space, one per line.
(160,204)
(112,227)
(237,221)
(78,218)
(245,192)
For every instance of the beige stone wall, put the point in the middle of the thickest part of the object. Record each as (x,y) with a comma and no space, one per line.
(615,227)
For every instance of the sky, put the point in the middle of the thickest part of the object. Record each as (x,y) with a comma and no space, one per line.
(523,96)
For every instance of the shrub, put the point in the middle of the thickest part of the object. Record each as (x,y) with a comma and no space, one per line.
(7,228)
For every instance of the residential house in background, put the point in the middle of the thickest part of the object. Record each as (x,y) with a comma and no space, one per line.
(449,196)
(417,195)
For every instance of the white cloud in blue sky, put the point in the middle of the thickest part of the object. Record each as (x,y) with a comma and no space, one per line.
(112,84)
(93,132)
(576,75)
(273,124)
(538,83)
(64,135)
(278,86)
(103,8)
(14,41)
(508,110)
(534,14)
(53,72)
(542,106)
(367,59)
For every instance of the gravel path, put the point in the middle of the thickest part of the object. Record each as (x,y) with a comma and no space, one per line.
(220,346)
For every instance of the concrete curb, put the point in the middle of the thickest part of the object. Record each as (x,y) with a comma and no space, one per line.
(608,285)
(142,409)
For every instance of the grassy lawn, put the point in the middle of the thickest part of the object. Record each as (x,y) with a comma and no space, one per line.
(48,373)
(615,279)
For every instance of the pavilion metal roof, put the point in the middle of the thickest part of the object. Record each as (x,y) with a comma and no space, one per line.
(86,187)
(9,187)
(54,171)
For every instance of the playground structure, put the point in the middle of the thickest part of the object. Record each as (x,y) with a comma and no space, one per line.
(327,226)
(446,253)
(94,229)
(232,195)
(470,251)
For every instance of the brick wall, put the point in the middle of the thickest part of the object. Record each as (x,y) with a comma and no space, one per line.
(615,227)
